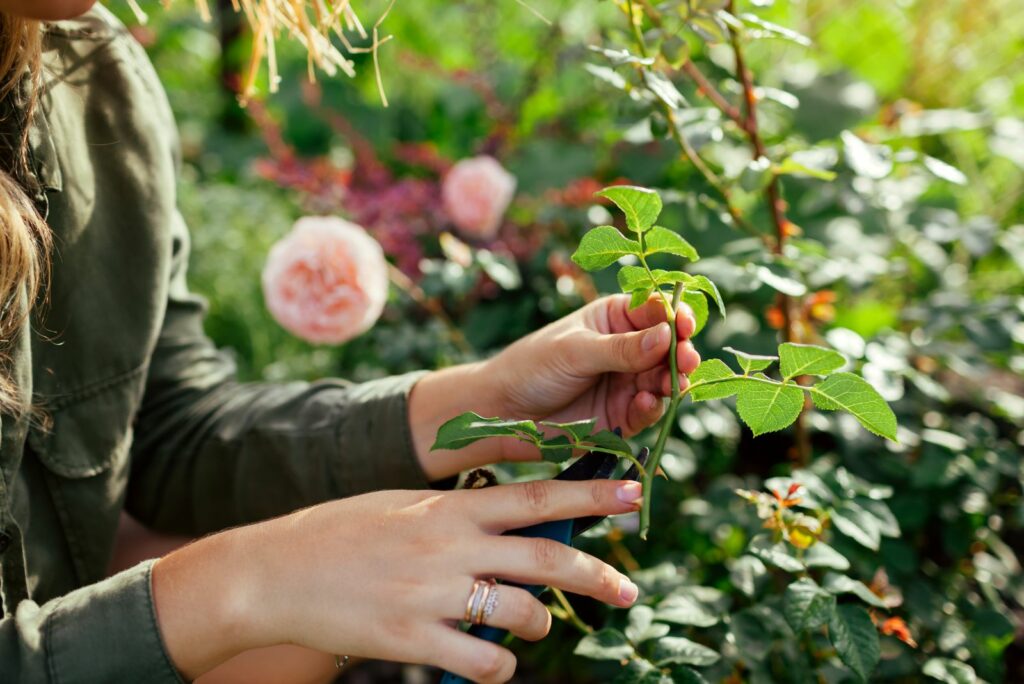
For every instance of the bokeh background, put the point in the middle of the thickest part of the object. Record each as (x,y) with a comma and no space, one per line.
(910,261)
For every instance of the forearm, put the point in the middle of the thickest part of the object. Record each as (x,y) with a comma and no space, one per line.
(439,397)
(204,599)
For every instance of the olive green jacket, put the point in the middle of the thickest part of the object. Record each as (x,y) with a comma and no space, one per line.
(146,414)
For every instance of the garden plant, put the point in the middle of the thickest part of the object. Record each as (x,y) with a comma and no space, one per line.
(851,175)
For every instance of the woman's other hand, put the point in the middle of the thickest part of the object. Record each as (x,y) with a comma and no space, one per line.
(385,575)
(603,361)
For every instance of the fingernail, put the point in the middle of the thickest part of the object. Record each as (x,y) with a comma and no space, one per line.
(627,590)
(654,336)
(630,492)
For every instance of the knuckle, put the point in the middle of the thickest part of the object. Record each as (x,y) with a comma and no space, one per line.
(607,581)
(493,665)
(598,492)
(545,553)
(535,494)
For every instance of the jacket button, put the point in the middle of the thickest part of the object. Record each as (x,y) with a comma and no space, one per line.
(5,540)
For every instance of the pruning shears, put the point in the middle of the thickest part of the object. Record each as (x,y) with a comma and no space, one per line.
(591,466)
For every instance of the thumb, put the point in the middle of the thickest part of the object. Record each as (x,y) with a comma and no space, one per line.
(630,352)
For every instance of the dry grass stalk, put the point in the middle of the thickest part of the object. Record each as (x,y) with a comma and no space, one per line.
(313,23)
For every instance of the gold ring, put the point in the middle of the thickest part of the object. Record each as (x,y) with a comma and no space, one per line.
(471,601)
(490,589)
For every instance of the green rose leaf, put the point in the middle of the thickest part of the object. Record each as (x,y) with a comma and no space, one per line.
(602,247)
(632,278)
(703,284)
(660,240)
(857,524)
(579,429)
(640,297)
(768,406)
(640,205)
(699,305)
(726,383)
(949,671)
(751,362)
(775,553)
(853,394)
(606,439)
(606,644)
(685,609)
(841,584)
(808,359)
(556,449)
(821,555)
(471,427)
(642,627)
(806,605)
(855,639)
(682,651)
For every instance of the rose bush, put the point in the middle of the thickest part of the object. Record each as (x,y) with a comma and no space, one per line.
(326,281)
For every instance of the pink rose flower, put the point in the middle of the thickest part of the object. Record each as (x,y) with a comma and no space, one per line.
(326,281)
(475,193)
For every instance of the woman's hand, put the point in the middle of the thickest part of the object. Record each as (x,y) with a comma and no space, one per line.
(385,575)
(603,361)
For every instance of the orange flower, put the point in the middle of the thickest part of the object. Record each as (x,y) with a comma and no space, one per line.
(897,627)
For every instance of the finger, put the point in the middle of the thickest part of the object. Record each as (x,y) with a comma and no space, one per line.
(687,358)
(630,352)
(651,380)
(686,322)
(517,611)
(467,656)
(507,507)
(546,562)
(644,411)
(647,315)
(666,383)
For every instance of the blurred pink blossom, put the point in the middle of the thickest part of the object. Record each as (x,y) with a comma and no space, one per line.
(326,281)
(476,192)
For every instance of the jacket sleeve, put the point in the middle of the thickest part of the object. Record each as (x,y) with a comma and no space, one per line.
(210,452)
(105,632)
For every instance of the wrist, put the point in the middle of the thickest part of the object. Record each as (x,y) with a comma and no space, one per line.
(207,603)
(444,394)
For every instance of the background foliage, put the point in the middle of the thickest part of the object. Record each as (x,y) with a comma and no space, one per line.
(910,261)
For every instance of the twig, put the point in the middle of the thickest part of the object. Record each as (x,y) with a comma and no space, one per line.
(570,614)
(705,88)
(405,284)
(776,207)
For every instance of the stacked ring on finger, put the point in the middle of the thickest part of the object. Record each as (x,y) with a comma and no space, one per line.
(483,599)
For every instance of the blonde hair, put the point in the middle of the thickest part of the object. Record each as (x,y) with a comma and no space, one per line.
(24,236)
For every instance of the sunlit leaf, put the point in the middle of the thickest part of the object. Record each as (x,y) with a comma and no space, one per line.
(579,429)
(806,605)
(767,406)
(660,240)
(751,362)
(808,359)
(606,644)
(712,369)
(853,394)
(698,303)
(642,627)
(640,205)
(470,427)
(682,651)
(703,284)
(841,584)
(870,161)
(603,246)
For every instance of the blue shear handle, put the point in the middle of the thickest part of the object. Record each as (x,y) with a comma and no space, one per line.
(559,530)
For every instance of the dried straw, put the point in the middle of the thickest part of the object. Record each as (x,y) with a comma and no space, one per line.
(313,23)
